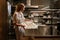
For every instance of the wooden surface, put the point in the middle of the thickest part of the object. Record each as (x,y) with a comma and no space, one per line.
(3,20)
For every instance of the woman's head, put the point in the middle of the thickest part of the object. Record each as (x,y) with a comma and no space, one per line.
(20,7)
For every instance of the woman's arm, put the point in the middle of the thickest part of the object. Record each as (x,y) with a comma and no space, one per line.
(19,25)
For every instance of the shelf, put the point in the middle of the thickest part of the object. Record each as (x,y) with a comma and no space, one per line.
(56,18)
(52,18)
(33,7)
(37,11)
(50,24)
(46,18)
(47,14)
(45,9)
(42,25)
(45,36)
(38,16)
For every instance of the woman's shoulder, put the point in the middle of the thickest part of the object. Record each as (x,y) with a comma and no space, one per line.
(15,13)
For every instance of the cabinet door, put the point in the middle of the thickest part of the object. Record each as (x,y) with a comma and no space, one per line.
(3,20)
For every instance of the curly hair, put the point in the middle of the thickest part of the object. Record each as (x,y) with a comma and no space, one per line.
(19,7)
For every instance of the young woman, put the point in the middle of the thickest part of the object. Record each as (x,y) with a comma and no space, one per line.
(18,18)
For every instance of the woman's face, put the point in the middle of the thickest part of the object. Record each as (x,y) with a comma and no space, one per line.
(23,8)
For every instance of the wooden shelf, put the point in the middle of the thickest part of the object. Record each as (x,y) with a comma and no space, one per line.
(45,36)
(50,24)
(52,18)
(47,14)
(46,18)
(32,7)
(42,25)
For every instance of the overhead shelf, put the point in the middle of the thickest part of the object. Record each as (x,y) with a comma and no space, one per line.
(32,7)
(38,11)
(51,18)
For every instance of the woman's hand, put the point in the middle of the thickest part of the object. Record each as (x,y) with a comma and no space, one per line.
(19,25)
(22,25)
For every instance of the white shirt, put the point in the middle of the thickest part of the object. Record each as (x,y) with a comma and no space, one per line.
(20,17)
